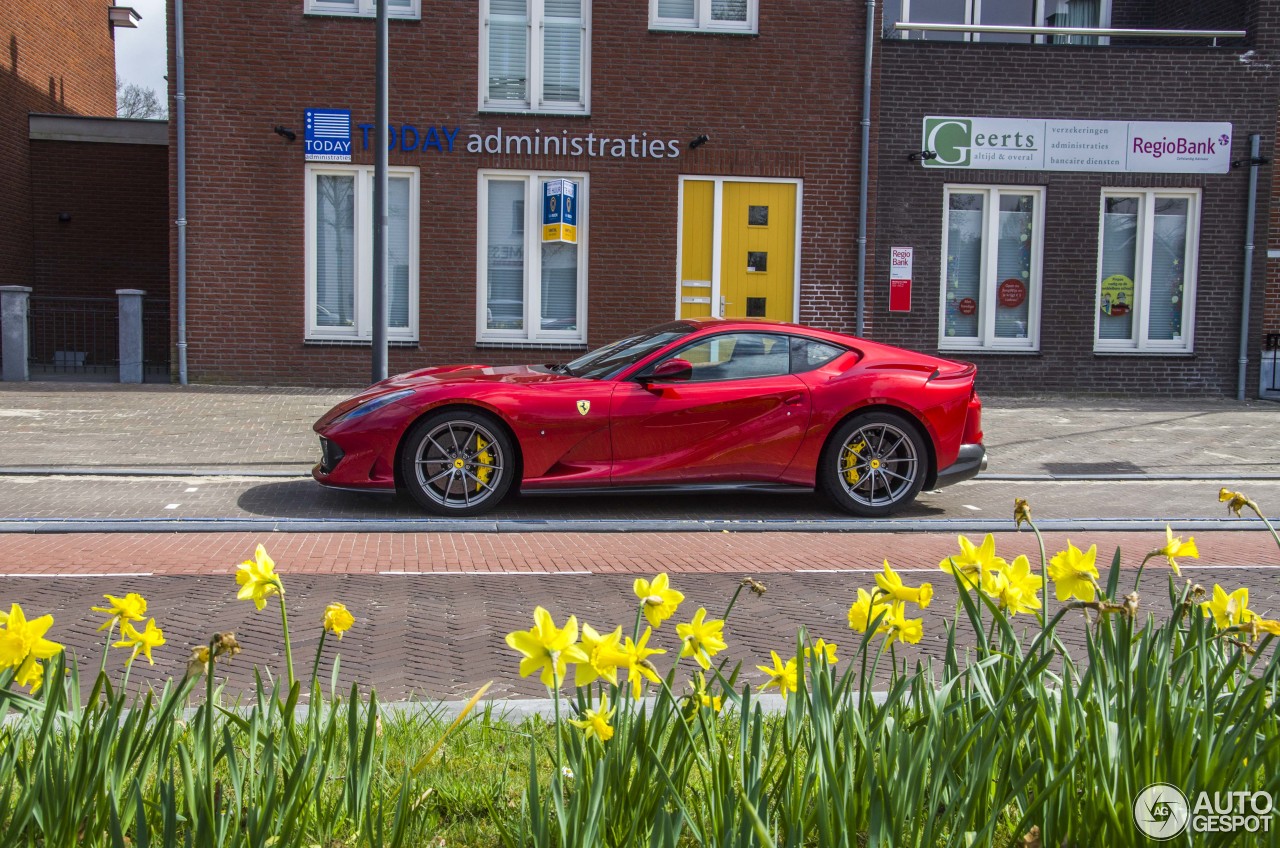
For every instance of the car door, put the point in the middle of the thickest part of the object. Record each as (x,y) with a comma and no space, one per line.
(739,417)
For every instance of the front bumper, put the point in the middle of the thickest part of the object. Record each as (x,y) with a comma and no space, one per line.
(971,460)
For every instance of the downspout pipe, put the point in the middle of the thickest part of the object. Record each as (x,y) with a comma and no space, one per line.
(865,168)
(180,99)
(1255,160)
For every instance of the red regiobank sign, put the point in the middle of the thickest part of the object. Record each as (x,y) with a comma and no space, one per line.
(900,259)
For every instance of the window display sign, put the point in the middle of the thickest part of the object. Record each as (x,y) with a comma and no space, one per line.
(327,135)
(900,261)
(559,211)
(1152,147)
(1011,293)
(1117,295)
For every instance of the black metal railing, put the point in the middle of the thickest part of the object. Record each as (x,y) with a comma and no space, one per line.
(74,335)
(1271,350)
(155,338)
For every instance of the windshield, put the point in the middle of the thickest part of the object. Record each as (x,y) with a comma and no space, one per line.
(605,362)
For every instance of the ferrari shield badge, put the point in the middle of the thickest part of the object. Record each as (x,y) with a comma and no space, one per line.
(584,406)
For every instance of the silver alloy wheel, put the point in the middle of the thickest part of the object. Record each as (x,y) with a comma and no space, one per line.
(459,464)
(878,464)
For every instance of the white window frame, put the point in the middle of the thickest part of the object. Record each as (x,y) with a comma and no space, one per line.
(1142,274)
(702,21)
(986,339)
(362,9)
(532,334)
(973,17)
(533,55)
(363,329)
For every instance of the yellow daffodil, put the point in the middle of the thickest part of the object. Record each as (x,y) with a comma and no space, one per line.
(635,658)
(864,611)
(1021,512)
(21,639)
(198,662)
(132,607)
(823,650)
(782,675)
(659,599)
(596,722)
(142,641)
(547,648)
(337,619)
(30,674)
(1228,610)
(1176,548)
(891,584)
(1074,572)
(1268,625)
(702,639)
(1020,591)
(1235,501)
(604,653)
(973,561)
(701,697)
(258,579)
(903,629)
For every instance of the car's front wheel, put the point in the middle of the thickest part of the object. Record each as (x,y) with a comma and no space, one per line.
(873,465)
(457,462)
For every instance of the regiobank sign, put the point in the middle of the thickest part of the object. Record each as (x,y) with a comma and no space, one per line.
(1020,144)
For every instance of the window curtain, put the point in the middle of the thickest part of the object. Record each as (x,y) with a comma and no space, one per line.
(964,266)
(398,195)
(509,50)
(729,10)
(682,10)
(335,251)
(1119,257)
(562,51)
(505,302)
(559,286)
(1013,262)
(1166,304)
(1073,13)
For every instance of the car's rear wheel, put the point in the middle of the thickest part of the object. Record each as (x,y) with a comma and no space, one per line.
(874,464)
(457,462)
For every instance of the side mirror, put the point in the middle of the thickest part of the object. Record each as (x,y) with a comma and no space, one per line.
(674,370)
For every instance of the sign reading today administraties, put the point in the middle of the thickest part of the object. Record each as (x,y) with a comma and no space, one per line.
(327,135)
(1022,144)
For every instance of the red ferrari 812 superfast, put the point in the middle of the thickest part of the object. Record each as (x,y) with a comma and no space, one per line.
(704,403)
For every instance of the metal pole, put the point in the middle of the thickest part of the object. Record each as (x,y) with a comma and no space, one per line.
(1255,141)
(865,168)
(180,98)
(380,214)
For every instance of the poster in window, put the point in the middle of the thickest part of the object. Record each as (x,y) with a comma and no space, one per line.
(560,212)
(1011,293)
(1117,295)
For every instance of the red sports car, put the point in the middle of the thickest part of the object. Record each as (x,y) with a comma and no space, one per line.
(692,403)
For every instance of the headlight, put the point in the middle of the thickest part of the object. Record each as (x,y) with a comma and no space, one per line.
(374,405)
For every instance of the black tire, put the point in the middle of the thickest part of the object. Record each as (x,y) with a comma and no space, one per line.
(874,464)
(458,462)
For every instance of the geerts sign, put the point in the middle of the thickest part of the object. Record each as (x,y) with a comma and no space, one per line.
(1159,147)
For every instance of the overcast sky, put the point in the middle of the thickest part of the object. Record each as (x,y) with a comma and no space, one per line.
(140,53)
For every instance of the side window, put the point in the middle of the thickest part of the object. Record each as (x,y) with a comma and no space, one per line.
(807,354)
(737,356)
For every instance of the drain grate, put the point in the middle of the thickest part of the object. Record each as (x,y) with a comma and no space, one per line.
(1093,468)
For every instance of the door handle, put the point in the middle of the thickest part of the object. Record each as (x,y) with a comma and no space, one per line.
(793,400)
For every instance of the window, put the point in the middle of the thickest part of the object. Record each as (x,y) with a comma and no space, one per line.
(992,243)
(339,264)
(1050,13)
(807,354)
(737,356)
(534,55)
(1147,271)
(704,15)
(362,8)
(519,300)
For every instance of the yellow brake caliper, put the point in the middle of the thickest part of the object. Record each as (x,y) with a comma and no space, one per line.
(849,462)
(485,458)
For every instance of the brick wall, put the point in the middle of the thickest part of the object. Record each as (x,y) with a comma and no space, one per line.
(1073,82)
(252,66)
(118,237)
(55,56)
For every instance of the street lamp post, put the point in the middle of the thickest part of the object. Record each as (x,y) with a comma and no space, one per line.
(380,213)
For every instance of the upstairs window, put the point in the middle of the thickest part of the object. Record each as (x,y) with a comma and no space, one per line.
(534,56)
(363,8)
(704,15)
(1049,13)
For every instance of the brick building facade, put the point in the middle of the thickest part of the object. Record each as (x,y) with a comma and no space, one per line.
(758,217)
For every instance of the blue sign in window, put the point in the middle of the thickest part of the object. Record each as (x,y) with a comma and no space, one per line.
(328,135)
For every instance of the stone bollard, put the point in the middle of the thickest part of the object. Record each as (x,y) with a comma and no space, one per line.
(14,304)
(130,335)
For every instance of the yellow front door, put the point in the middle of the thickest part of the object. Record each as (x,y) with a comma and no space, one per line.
(749,271)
